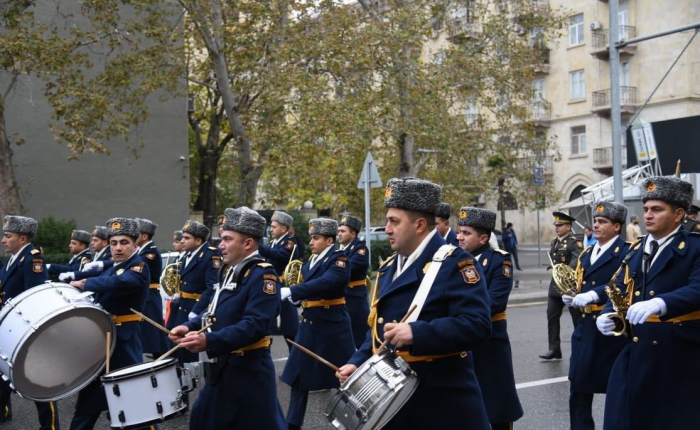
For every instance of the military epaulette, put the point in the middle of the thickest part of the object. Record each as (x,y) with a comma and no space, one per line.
(34,251)
(339,250)
(153,247)
(388,261)
(501,251)
(213,248)
(264,265)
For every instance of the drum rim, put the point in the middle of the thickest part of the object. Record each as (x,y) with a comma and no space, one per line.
(157,365)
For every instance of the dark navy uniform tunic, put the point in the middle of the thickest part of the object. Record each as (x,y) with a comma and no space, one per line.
(74,264)
(451,238)
(105,257)
(356,290)
(154,341)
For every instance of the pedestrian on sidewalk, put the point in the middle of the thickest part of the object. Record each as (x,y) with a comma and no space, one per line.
(510,243)
(588,238)
(633,230)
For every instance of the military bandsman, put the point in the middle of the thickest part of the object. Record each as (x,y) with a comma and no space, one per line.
(79,247)
(99,245)
(493,359)
(356,290)
(592,354)
(454,316)
(691,222)
(442,224)
(653,383)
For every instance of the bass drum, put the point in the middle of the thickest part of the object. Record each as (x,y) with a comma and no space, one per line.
(372,395)
(52,341)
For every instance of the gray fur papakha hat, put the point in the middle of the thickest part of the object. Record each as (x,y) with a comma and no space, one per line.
(412,194)
(444,210)
(244,220)
(282,218)
(20,225)
(477,217)
(351,221)
(177,235)
(615,212)
(324,227)
(100,232)
(81,236)
(123,226)
(196,229)
(669,189)
(147,226)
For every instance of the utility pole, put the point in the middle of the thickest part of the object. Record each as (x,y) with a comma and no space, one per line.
(615,115)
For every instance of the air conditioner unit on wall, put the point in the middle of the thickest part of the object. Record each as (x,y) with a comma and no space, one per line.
(596,25)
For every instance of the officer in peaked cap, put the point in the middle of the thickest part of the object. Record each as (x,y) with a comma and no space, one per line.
(199,271)
(356,290)
(493,359)
(565,249)
(24,270)
(325,326)
(652,384)
(592,354)
(280,253)
(442,223)
(691,222)
(118,289)
(79,247)
(454,318)
(245,304)
(155,342)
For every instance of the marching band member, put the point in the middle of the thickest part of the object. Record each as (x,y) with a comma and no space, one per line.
(243,393)
(118,289)
(356,290)
(592,354)
(283,249)
(99,245)
(178,246)
(79,247)
(24,270)
(442,224)
(455,315)
(653,383)
(154,341)
(325,326)
(199,271)
(493,359)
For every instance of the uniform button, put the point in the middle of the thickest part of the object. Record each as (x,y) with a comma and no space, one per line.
(380,320)
(635,339)
(584,282)
(637,293)
(394,321)
(655,343)
(651,293)
(583,316)
(593,283)
(595,316)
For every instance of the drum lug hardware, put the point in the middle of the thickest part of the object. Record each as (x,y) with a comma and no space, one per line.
(5,377)
(154,381)
(159,408)
(115,390)
(122,418)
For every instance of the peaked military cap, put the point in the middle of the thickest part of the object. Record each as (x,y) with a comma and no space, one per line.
(81,236)
(123,226)
(100,232)
(282,218)
(177,235)
(323,226)
(615,212)
(444,210)
(669,189)
(561,218)
(351,221)
(196,229)
(477,217)
(244,220)
(693,209)
(147,226)
(412,194)
(20,225)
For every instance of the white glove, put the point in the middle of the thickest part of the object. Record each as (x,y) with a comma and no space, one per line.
(605,324)
(584,299)
(567,300)
(175,297)
(48,266)
(192,316)
(641,311)
(66,276)
(286,293)
(94,265)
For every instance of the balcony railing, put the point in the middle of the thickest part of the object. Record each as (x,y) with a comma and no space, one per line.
(529,163)
(542,65)
(463,28)
(601,37)
(602,157)
(541,112)
(628,97)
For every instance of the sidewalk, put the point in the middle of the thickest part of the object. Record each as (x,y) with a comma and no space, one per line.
(532,283)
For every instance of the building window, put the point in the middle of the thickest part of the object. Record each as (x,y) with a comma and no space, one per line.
(576,30)
(578,140)
(577,85)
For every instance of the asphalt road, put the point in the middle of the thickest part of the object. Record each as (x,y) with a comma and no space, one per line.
(545,403)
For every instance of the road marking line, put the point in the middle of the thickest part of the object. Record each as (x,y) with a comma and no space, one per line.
(521,305)
(541,382)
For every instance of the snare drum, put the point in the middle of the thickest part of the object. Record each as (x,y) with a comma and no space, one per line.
(52,341)
(144,394)
(372,395)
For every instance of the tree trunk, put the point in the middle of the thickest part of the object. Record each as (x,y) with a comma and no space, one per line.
(9,191)
(406,155)
(502,202)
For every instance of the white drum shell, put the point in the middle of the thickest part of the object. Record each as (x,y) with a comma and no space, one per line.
(134,401)
(373,394)
(52,341)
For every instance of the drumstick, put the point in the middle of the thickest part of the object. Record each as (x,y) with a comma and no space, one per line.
(403,320)
(109,344)
(314,355)
(153,323)
(176,347)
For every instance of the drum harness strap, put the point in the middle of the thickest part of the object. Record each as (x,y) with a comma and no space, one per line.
(419,300)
